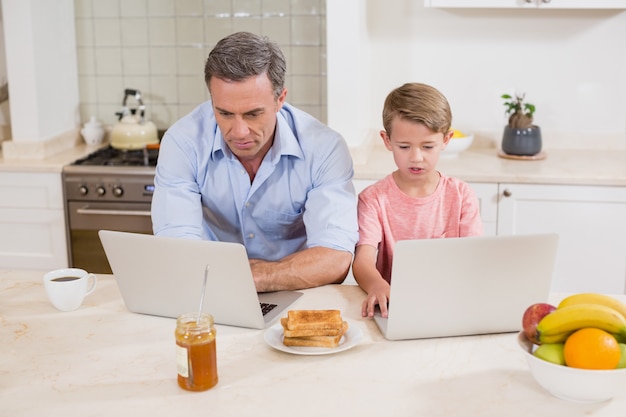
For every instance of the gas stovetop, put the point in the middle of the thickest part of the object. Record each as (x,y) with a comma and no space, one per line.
(110,160)
(115,157)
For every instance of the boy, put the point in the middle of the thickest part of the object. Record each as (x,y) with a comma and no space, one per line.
(416,201)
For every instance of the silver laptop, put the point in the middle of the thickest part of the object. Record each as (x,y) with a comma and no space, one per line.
(164,276)
(466,286)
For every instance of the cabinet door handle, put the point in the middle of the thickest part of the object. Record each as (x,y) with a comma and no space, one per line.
(507,192)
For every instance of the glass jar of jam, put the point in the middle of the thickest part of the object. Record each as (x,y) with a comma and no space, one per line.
(195,352)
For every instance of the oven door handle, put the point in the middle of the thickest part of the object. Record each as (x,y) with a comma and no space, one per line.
(90,211)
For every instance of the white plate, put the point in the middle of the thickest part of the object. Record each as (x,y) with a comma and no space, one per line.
(274,337)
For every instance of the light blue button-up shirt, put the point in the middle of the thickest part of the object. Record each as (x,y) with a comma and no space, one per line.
(302,195)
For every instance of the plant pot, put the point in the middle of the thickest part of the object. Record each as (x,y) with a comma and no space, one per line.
(522,142)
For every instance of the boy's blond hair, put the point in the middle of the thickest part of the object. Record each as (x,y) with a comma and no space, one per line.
(419,103)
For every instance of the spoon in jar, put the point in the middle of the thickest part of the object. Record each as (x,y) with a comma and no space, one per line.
(206,272)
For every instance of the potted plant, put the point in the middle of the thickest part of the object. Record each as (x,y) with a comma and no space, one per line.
(521,137)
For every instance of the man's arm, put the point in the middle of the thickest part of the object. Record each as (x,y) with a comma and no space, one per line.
(176,202)
(308,268)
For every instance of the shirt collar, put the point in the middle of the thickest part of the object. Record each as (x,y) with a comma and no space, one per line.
(285,141)
(220,149)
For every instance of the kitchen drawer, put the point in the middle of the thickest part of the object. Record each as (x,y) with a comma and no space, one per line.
(32,238)
(31,190)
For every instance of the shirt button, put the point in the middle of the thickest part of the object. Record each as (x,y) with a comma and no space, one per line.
(247,204)
(251,236)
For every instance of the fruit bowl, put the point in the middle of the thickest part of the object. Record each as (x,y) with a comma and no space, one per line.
(573,384)
(457,145)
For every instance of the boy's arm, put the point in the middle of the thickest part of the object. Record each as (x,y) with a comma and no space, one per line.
(370,280)
(470,224)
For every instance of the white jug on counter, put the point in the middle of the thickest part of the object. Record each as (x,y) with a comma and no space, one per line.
(93,132)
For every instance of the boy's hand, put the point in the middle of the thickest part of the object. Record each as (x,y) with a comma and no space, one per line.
(378,295)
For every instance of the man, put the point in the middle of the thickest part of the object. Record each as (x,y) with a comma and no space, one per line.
(247,167)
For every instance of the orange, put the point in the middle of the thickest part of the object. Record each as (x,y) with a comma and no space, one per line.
(591,348)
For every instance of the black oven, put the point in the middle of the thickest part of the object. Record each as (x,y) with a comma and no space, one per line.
(110,189)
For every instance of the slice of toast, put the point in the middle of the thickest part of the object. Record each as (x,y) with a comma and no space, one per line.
(333,331)
(314,319)
(316,341)
(319,341)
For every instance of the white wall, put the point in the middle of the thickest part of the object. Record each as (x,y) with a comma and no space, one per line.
(41,67)
(570,63)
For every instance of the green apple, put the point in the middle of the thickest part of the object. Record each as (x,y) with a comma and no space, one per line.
(622,359)
(551,352)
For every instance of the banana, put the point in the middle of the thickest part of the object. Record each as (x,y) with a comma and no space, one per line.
(556,326)
(562,337)
(594,298)
(555,338)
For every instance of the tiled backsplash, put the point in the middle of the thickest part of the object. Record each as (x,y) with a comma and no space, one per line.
(159,47)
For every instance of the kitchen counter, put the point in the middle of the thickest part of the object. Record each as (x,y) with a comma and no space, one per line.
(101,360)
(482,164)
(55,163)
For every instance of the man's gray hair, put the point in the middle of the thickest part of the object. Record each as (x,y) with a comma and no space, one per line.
(243,55)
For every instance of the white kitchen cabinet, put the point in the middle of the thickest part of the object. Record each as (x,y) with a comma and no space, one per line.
(591,223)
(32,221)
(528,4)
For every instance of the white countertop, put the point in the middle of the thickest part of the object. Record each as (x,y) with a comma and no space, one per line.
(482,164)
(53,163)
(101,360)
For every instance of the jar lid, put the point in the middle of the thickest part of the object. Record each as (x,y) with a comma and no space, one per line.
(191,320)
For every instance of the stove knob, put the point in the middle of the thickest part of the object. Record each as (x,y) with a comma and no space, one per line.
(100,190)
(83,190)
(118,191)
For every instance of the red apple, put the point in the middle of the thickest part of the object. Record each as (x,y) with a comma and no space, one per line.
(532,317)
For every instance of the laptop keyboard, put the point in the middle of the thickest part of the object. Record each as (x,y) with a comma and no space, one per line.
(267,307)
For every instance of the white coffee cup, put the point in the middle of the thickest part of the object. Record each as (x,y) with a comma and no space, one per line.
(67,288)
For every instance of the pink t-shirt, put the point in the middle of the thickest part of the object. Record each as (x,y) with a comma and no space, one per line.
(387,215)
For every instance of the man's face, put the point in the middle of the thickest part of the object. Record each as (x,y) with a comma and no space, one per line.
(246,114)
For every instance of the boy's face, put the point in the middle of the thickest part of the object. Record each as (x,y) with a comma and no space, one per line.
(415,148)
